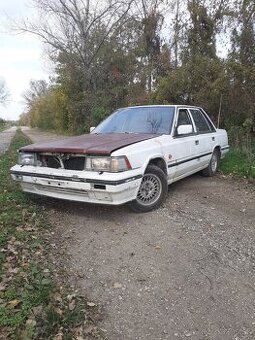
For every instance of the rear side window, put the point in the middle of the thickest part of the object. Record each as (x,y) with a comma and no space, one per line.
(201,122)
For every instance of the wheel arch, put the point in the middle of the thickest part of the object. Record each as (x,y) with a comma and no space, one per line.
(218,149)
(159,162)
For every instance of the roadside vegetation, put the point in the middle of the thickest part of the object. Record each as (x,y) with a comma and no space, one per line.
(239,163)
(32,306)
(3,124)
(240,160)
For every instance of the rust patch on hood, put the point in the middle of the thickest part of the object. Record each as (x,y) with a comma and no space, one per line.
(93,144)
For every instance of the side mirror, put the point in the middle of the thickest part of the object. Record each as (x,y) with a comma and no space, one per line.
(91,128)
(184,129)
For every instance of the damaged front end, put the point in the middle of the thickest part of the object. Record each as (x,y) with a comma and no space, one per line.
(78,177)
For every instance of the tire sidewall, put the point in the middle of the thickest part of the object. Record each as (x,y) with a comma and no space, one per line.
(214,171)
(153,169)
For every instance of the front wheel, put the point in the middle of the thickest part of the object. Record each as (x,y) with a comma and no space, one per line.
(213,166)
(152,191)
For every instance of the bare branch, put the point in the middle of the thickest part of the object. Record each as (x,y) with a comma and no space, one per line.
(4,93)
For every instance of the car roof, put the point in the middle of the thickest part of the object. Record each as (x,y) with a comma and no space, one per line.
(159,105)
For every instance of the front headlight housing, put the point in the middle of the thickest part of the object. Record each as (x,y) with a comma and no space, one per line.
(26,158)
(107,164)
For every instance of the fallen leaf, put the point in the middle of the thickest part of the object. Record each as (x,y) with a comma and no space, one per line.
(58,336)
(13,270)
(71,305)
(29,228)
(71,297)
(2,287)
(59,311)
(14,303)
(90,330)
(57,297)
(31,322)
(37,310)
(17,243)
(12,249)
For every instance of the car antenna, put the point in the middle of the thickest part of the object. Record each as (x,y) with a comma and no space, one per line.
(219,113)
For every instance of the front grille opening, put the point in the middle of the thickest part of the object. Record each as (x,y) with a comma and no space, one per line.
(65,161)
(74,163)
(51,162)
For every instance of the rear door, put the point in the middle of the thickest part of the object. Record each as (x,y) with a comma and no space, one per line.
(205,136)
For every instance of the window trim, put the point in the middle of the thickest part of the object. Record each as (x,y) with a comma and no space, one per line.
(208,119)
(208,122)
(175,135)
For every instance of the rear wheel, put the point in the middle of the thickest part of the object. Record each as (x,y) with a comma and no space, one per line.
(213,166)
(152,191)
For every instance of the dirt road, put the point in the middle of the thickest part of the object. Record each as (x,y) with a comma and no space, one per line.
(6,137)
(185,271)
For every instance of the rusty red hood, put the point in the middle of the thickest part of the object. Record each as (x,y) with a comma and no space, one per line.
(101,144)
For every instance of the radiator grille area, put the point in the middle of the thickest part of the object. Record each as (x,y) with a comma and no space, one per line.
(70,162)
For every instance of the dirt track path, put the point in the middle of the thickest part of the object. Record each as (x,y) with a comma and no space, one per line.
(185,271)
(6,137)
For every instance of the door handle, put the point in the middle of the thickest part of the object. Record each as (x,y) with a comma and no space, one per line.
(196,142)
(213,139)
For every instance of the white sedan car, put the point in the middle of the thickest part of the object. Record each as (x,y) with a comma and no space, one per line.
(132,156)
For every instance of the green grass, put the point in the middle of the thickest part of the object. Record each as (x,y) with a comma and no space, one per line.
(4,125)
(239,163)
(31,304)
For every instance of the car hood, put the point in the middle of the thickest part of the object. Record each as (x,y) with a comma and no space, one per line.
(96,144)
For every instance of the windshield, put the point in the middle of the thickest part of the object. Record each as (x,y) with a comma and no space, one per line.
(150,119)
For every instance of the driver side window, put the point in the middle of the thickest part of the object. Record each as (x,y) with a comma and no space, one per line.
(184,118)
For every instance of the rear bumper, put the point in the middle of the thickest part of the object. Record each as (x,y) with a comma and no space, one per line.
(106,188)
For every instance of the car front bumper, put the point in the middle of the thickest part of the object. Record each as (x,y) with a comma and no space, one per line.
(84,186)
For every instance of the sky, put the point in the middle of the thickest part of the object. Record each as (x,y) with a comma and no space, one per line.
(21,57)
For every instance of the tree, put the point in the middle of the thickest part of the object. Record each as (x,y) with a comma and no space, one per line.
(70,25)
(150,14)
(4,93)
(76,31)
(36,89)
(240,66)
(199,78)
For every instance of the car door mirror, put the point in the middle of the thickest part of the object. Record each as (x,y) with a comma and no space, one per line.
(91,128)
(184,129)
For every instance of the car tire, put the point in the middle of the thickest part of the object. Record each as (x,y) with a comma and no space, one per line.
(213,166)
(152,192)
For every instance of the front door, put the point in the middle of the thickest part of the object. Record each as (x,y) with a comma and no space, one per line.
(184,149)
